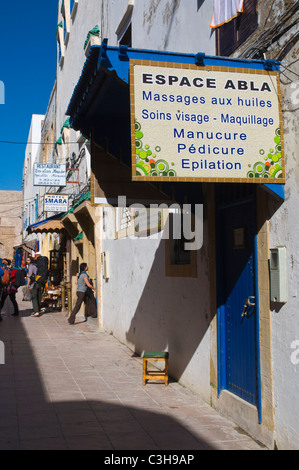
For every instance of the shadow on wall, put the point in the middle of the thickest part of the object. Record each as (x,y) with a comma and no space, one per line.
(175,5)
(173,313)
(200,4)
(29,421)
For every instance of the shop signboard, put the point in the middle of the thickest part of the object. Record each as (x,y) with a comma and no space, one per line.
(49,174)
(209,123)
(56,203)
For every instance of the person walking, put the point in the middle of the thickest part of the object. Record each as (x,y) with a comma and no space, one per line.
(83,284)
(1,287)
(10,289)
(26,291)
(34,287)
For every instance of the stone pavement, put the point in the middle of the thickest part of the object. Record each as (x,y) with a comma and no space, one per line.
(76,387)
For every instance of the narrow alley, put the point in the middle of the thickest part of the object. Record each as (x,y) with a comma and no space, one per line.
(78,388)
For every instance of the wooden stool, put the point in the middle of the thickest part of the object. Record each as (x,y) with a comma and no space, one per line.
(158,374)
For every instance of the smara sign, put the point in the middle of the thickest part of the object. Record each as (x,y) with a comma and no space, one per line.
(205,124)
(56,203)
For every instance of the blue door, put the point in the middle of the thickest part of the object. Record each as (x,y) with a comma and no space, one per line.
(236,296)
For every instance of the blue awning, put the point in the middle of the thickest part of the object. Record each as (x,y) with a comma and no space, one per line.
(52,224)
(107,68)
(275,189)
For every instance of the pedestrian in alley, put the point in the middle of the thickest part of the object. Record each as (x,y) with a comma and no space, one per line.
(26,291)
(84,294)
(30,279)
(34,287)
(9,289)
(1,287)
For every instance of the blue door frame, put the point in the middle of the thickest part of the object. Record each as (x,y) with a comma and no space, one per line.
(237,336)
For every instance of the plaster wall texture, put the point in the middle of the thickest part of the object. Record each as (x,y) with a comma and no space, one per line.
(149,311)
(10,221)
(141,306)
(284,231)
(31,157)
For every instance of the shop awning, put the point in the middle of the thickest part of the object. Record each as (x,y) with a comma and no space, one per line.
(101,99)
(27,245)
(50,225)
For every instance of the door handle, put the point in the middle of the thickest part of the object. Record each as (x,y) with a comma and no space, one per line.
(250,302)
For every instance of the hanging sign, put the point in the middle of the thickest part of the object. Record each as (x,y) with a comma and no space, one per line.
(48,174)
(56,203)
(207,123)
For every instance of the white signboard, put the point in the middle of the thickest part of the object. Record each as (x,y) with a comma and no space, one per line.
(207,123)
(56,203)
(48,174)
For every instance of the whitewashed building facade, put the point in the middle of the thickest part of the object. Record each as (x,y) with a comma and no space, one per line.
(146,298)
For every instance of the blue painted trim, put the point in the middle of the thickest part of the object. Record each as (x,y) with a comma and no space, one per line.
(116,59)
(221,352)
(41,222)
(119,60)
(219,360)
(277,189)
(257,314)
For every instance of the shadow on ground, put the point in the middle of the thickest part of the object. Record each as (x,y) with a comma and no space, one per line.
(29,419)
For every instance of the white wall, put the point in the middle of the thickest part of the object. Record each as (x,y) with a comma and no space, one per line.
(149,311)
(157,25)
(87,16)
(142,306)
(31,154)
(163,24)
(169,25)
(284,230)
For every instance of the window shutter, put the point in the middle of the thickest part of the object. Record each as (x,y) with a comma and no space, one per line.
(247,22)
(231,35)
(226,39)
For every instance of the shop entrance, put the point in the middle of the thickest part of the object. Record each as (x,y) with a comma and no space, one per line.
(237,308)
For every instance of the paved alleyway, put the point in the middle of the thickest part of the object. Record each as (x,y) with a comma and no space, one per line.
(76,387)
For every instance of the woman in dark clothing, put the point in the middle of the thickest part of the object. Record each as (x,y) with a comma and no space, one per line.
(83,284)
(10,290)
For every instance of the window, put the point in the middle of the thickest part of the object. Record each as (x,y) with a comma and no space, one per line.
(52,137)
(47,148)
(179,261)
(73,7)
(36,207)
(126,40)
(231,35)
(59,52)
(124,29)
(64,30)
(65,11)
(124,222)
(178,255)
(60,42)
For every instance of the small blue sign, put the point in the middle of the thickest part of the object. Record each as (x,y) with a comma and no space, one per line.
(2,93)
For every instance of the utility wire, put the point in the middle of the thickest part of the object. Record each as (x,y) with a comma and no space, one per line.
(274,33)
(37,143)
(289,70)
